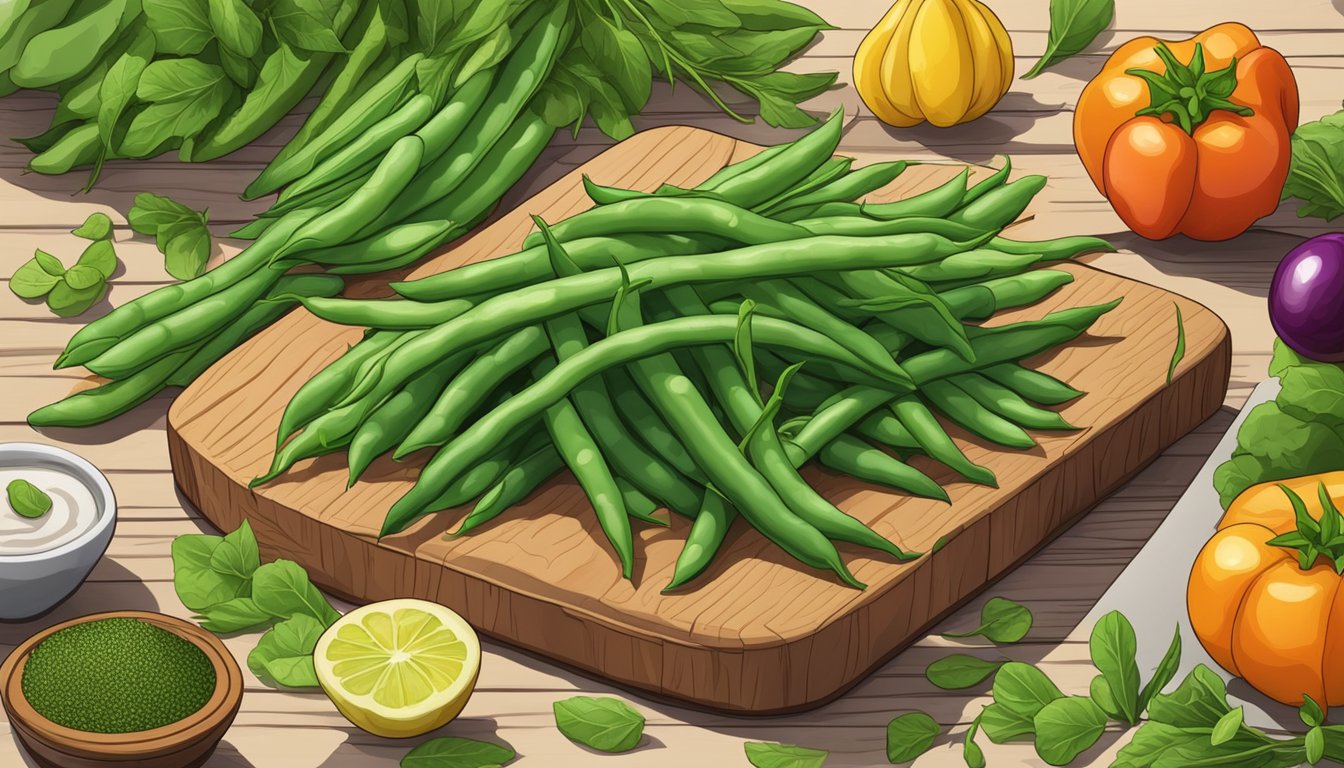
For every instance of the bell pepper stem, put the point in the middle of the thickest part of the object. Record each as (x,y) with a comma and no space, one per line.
(1188,93)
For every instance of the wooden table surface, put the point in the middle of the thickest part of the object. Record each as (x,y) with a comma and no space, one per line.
(513,700)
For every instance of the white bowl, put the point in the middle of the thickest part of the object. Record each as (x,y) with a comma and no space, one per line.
(31,584)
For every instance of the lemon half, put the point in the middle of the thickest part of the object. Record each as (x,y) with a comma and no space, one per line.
(399,668)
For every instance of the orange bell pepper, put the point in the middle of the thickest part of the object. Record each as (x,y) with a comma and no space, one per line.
(1190,137)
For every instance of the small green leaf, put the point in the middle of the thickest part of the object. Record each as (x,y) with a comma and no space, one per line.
(1177,354)
(82,277)
(1114,649)
(236,26)
(1074,24)
(1001,724)
(960,671)
(187,250)
(32,280)
(1001,621)
(1310,712)
(767,755)
(1227,727)
(100,255)
(27,499)
(602,723)
(149,212)
(282,589)
(1166,670)
(236,615)
(1103,697)
(97,227)
(67,301)
(1067,727)
(1315,745)
(457,752)
(910,736)
(1024,689)
(970,751)
(284,655)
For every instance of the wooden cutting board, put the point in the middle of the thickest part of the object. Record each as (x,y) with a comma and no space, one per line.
(758,634)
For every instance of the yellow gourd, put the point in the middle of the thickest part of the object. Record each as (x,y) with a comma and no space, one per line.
(944,61)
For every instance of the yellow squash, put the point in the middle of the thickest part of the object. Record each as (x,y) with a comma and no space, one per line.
(944,61)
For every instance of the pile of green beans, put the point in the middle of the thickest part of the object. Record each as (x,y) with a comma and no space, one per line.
(691,349)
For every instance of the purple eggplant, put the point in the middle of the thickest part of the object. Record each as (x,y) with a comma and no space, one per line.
(1306,299)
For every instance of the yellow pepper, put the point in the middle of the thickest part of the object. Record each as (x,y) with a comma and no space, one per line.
(944,61)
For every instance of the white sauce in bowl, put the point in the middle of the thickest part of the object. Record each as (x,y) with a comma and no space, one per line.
(73,511)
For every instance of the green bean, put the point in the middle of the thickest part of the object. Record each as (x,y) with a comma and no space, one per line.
(465,393)
(888,430)
(532,265)
(101,334)
(392,243)
(619,349)
(1053,250)
(327,195)
(282,298)
(935,203)
(605,195)
(1033,385)
(329,383)
(975,265)
(734,170)
(328,433)
(989,184)
(835,418)
(673,215)
(637,505)
(485,474)
(368,145)
(388,424)
(386,314)
(711,525)
(575,445)
(643,420)
(1005,402)
(919,312)
(852,186)
(858,226)
(830,171)
(338,225)
(750,187)
(1000,207)
(824,211)
(182,329)
(299,157)
(535,303)
(627,457)
(982,300)
(253,229)
(856,458)
(961,408)
(794,304)
(517,484)
(94,406)
(926,430)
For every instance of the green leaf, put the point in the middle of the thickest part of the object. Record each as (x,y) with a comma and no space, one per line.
(1313,392)
(970,751)
(33,280)
(236,26)
(1315,176)
(1024,689)
(457,752)
(186,95)
(282,589)
(766,755)
(1067,727)
(1178,353)
(101,256)
(240,70)
(959,671)
(186,249)
(601,723)
(149,212)
(308,25)
(1002,724)
(237,556)
(118,89)
(1103,697)
(198,586)
(1074,24)
(910,736)
(766,15)
(617,53)
(1227,727)
(68,301)
(27,499)
(1315,743)
(236,615)
(82,278)
(180,27)
(1114,648)
(434,20)
(1200,701)
(1310,712)
(1284,358)
(486,54)
(1001,621)
(97,227)
(284,655)
(1163,674)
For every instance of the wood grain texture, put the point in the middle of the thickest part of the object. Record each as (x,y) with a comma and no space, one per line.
(758,634)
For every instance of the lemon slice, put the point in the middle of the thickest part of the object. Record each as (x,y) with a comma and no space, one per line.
(399,668)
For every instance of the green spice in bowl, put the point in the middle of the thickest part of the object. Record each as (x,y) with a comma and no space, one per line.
(123,688)
(117,676)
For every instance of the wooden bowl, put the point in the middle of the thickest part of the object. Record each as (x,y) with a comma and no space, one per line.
(184,744)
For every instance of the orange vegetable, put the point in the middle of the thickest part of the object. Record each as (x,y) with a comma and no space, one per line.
(1264,595)
(1190,137)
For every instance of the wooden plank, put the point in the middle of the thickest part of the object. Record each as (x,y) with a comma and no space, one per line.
(755,622)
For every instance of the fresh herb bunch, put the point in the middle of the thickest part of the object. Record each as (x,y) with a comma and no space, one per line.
(1300,432)
(1316,176)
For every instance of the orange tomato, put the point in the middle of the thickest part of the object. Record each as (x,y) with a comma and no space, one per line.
(1206,161)
(1257,611)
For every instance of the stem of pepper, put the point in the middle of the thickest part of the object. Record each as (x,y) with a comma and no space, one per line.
(1187,92)
(1314,538)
